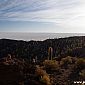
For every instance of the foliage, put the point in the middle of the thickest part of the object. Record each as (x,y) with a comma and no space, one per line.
(51,64)
(80,63)
(82,74)
(65,61)
(40,72)
(44,77)
(61,46)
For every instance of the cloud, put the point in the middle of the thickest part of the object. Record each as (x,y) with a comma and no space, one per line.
(35,9)
(65,13)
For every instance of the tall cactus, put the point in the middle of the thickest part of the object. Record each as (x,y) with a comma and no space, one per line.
(50,53)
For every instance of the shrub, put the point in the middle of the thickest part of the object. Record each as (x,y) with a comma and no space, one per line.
(43,76)
(51,64)
(45,79)
(74,59)
(80,63)
(65,61)
(82,74)
(40,72)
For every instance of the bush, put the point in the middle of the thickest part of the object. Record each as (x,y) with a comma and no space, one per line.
(43,76)
(51,64)
(80,63)
(65,61)
(40,72)
(82,74)
(45,79)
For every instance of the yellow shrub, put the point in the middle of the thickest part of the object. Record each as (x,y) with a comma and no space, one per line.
(66,60)
(40,72)
(45,79)
(51,64)
(80,61)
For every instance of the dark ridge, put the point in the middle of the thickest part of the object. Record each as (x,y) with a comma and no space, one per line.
(69,46)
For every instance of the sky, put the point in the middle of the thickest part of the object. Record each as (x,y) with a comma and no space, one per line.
(46,16)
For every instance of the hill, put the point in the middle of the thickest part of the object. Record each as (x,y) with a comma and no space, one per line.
(66,66)
(70,46)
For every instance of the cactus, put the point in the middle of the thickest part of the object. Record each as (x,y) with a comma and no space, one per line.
(50,53)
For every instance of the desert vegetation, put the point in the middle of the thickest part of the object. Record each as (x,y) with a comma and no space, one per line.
(50,62)
(48,72)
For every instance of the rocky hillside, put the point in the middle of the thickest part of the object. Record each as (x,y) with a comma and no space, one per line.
(66,65)
(71,46)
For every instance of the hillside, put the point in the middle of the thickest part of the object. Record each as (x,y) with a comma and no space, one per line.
(71,46)
(50,62)
(18,71)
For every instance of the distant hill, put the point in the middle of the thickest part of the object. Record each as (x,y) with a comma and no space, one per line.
(70,46)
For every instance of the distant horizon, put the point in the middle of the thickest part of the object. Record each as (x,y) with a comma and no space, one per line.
(25,36)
